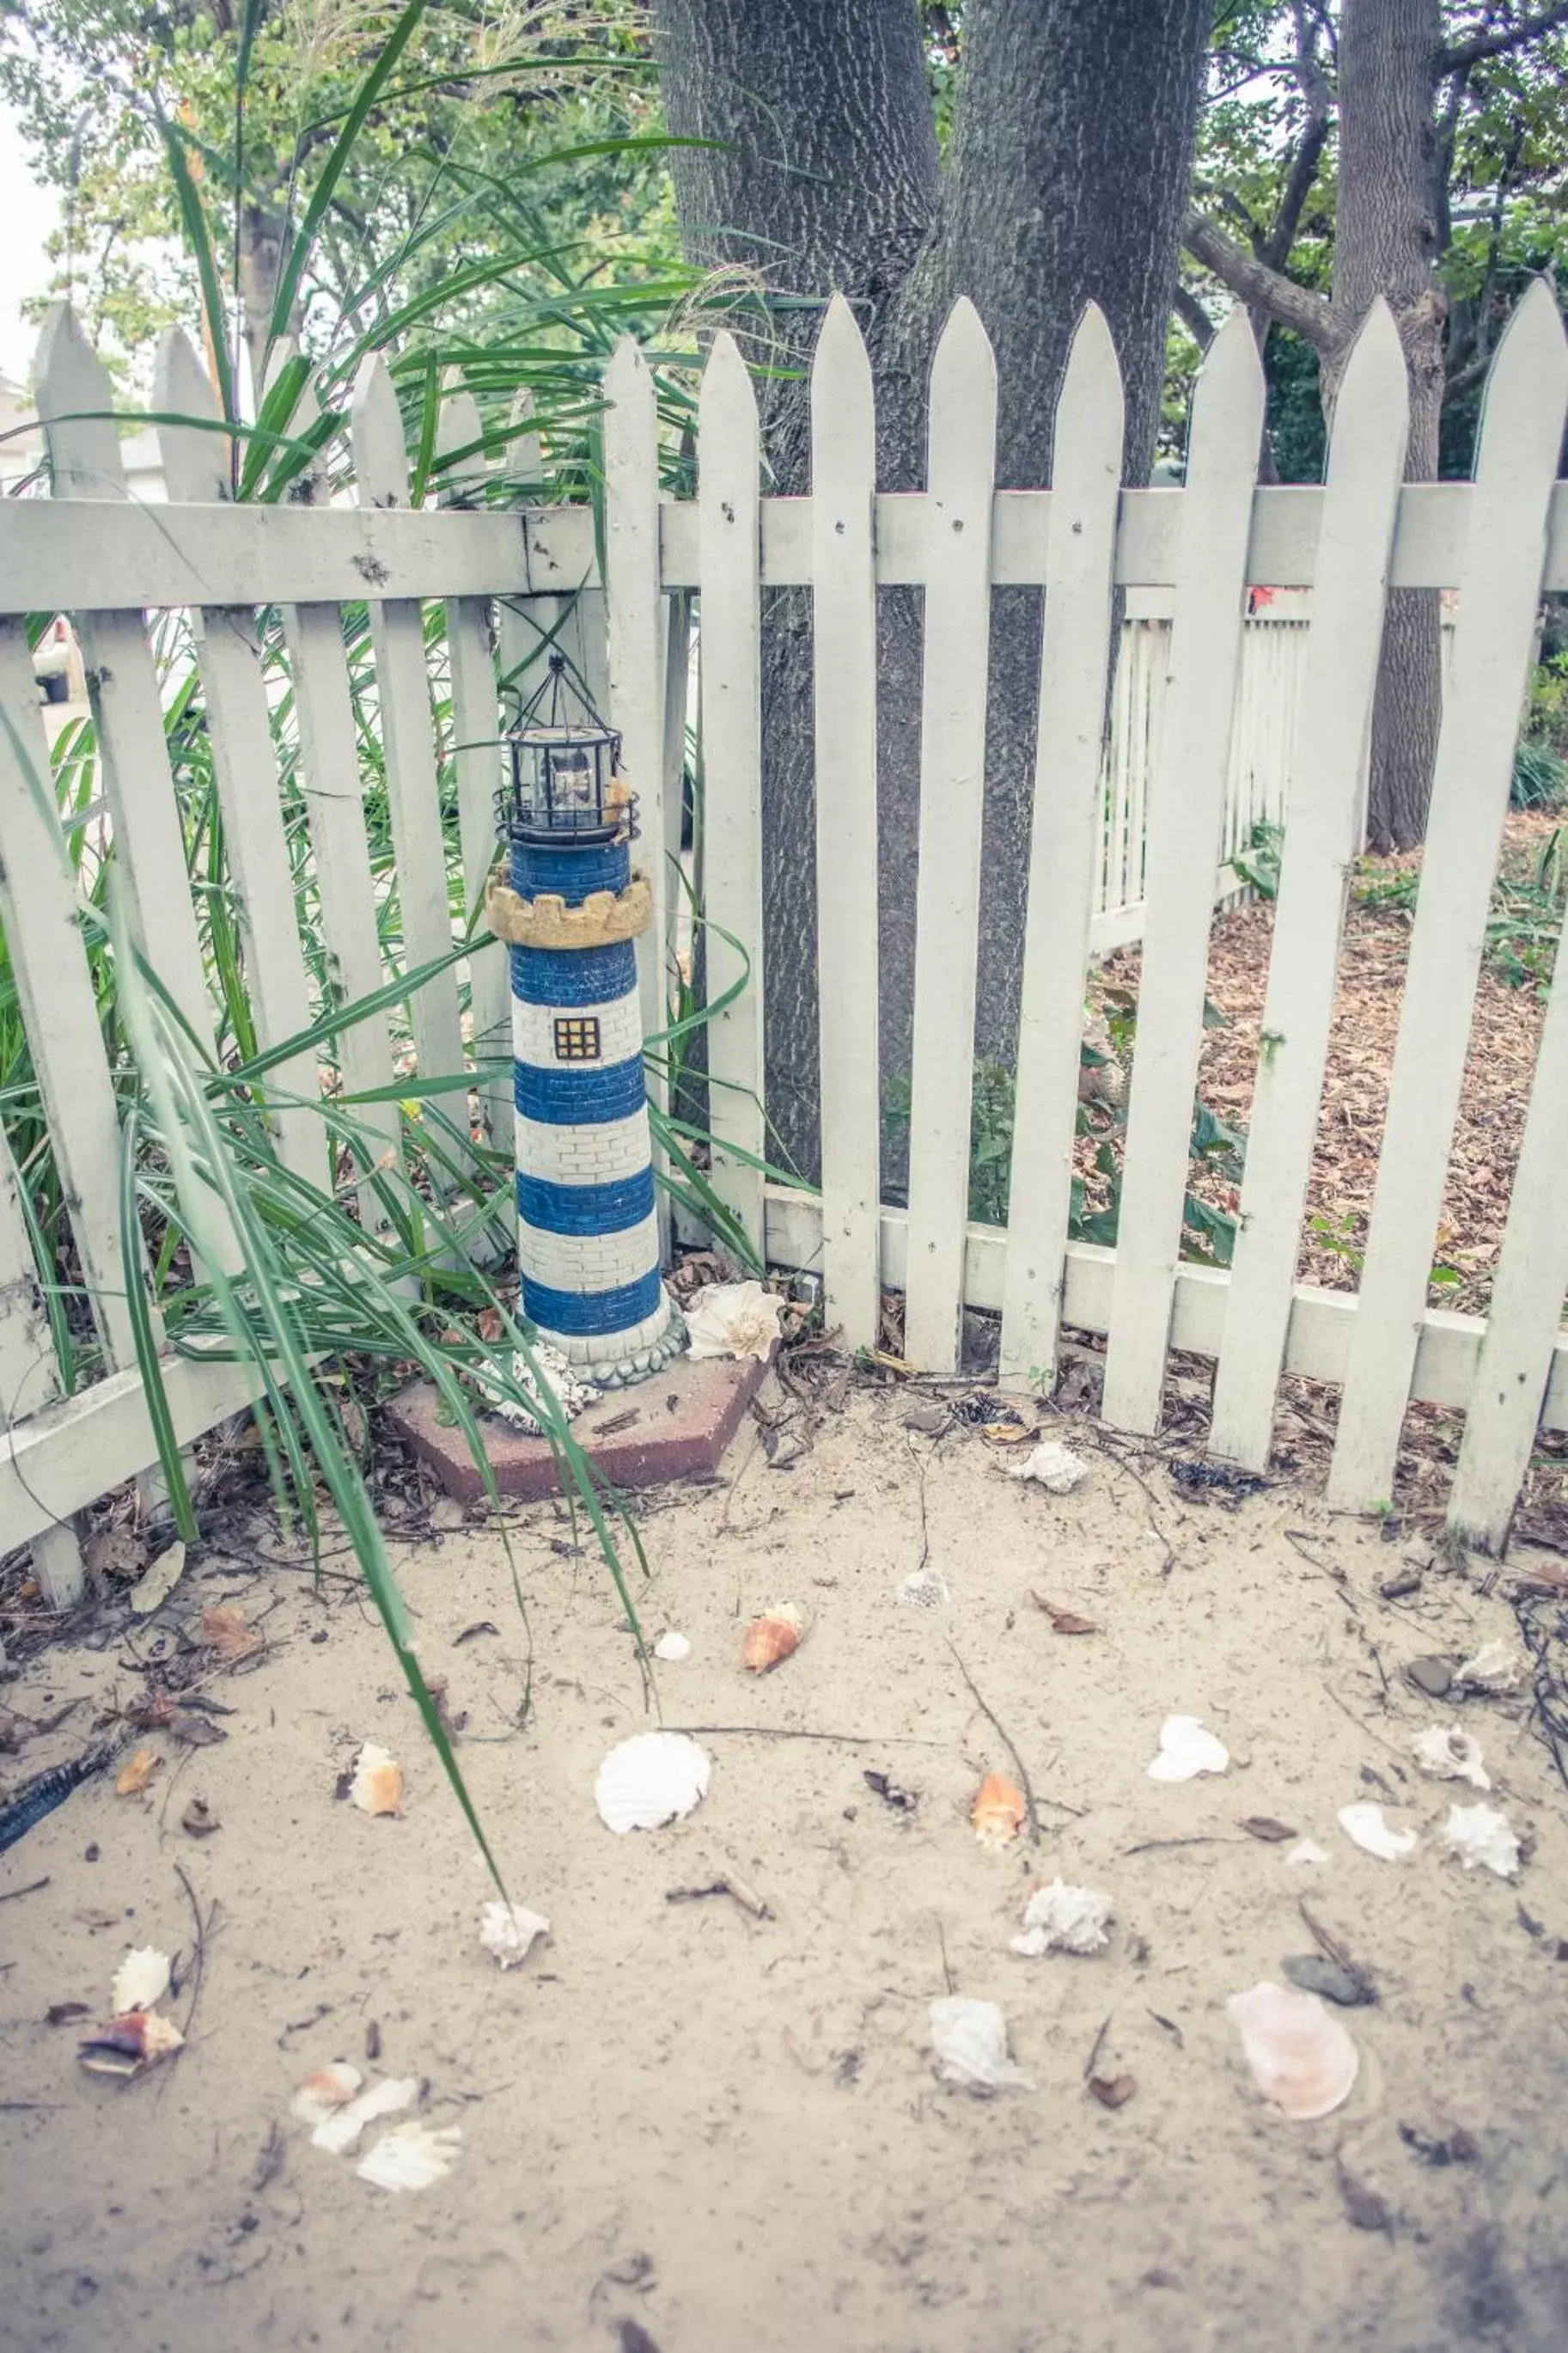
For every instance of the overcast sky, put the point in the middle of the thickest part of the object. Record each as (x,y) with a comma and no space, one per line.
(27,215)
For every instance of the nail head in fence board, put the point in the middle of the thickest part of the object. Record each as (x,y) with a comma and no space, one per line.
(29,1376)
(730,458)
(632,611)
(123,682)
(476,764)
(1066,831)
(961,468)
(412,785)
(234,691)
(1366,460)
(1494,638)
(1186,820)
(1522,1330)
(844,630)
(55,991)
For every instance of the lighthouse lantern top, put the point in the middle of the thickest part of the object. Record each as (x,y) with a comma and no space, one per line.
(563,783)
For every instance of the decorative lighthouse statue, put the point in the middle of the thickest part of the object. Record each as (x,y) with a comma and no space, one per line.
(587,1235)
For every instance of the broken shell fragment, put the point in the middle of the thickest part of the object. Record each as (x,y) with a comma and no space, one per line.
(507,1931)
(341,2129)
(653,1779)
(1052,1466)
(128,2045)
(672,1646)
(1480,1834)
(320,2096)
(770,1639)
(998,1810)
(1187,1749)
(377,1784)
(1307,1850)
(1495,1668)
(969,2042)
(1365,1824)
(1302,2060)
(923,1588)
(141,1981)
(1450,1755)
(1063,1919)
(411,2156)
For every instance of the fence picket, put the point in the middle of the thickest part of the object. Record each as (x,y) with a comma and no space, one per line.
(412,785)
(330,788)
(633,607)
(1186,819)
(1521,1339)
(29,1378)
(1066,832)
(961,471)
(122,680)
(1366,460)
(1521,434)
(234,691)
(476,764)
(844,629)
(729,500)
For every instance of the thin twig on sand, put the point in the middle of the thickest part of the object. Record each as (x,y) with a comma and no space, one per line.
(1005,1738)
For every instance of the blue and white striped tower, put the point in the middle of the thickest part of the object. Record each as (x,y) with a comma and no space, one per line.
(587,1235)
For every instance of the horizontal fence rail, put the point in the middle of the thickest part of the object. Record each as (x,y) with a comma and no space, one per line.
(1215,721)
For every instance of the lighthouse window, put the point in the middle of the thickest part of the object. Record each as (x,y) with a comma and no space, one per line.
(577,1039)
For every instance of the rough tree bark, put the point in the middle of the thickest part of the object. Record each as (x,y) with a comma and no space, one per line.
(1389,234)
(1066,182)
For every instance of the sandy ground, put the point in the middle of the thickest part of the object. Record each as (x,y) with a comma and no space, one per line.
(690,2128)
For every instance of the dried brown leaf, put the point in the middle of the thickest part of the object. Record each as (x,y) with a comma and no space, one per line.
(1265,1827)
(1063,1621)
(226,1632)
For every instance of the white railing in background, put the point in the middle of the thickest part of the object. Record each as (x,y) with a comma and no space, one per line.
(1150,833)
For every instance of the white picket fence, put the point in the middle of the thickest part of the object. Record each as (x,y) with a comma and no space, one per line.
(90,553)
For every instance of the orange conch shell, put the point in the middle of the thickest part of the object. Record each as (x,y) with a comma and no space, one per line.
(770,1639)
(998,1810)
(377,1784)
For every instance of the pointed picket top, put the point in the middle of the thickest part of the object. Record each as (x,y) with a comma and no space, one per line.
(841,390)
(726,390)
(1091,411)
(75,396)
(1526,388)
(963,369)
(627,379)
(376,431)
(1375,371)
(459,426)
(195,462)
(1228,402)
(524,457)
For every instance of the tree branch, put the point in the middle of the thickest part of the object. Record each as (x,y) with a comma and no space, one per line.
(1499,44)
(1317,94)
(1192,316)
(1289,305)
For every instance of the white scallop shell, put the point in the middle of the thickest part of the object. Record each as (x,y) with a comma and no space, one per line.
(1302,2060)
(733,1319)
(672,1645)
(1186,1750)
(140,1980)
(653,1779)
(1480,1835)
(1365,1825)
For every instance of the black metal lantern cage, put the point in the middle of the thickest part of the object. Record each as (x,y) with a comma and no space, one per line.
(564,768)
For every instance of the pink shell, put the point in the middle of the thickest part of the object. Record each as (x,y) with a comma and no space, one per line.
(1302,2060)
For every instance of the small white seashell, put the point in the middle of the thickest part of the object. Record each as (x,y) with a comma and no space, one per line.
(141,1981)
(672,1646)
(1450,1755)
(339,2132)
(507,1931)
(1052,1466)
(1302,2060)
(1365,1825)
(923,1588)
(1307,1850)
(411,2156)
(733,1319)
(1187,1750)
(1480,1835)
(1495,1668)
(653,1779)
(969,2039)
(321,2095)
(1063,1919)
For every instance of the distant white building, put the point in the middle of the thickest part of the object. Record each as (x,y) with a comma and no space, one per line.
(22,449)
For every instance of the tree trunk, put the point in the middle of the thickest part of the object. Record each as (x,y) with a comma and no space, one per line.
(1066,183)
(1386,241)
(262,234)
